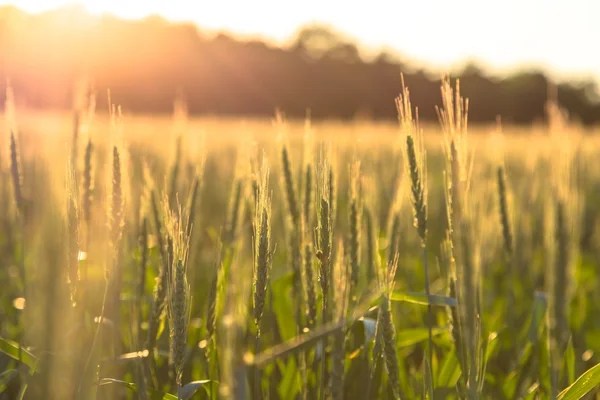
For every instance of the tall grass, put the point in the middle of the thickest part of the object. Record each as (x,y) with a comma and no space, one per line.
(153,273)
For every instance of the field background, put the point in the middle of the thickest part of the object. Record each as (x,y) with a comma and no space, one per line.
(518,354)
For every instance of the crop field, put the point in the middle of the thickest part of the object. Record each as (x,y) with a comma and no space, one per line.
(146,257)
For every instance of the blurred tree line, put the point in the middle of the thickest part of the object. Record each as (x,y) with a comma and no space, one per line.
(145,63)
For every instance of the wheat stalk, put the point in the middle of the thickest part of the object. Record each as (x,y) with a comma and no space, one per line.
(178,290)
(354,217)
(73,243)
(417,167)
(341,273)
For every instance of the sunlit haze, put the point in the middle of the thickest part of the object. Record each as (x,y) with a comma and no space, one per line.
(556,35)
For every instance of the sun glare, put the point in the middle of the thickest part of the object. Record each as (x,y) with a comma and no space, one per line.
(124,9)
(434,33)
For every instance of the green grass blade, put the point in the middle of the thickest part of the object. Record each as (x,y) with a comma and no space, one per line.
(290,384)
(295,344)
(303,341)
(583,385)
(570,362)
(449,372)
(11,349)
(423,299)
(189,389)
(532,392)
(154,394)
(428,384)
(6,377)
(540,303)
(409,337)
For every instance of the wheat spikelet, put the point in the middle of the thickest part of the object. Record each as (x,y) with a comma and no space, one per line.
(262,249)
(308,195)
(191,205)
(216,283)
(73,244)
(354,222)
(309,286)
(503,205)
(394,237)
(232,225)
(15,171)
(174,174)
(116,210)
(332,199)
(238,196)
(415,156)
(295,254)
(371,250)
(88,184)
(561,278)
(14,157)
(464,237)
(453,117)
(308,172)
(75,137)
(143,248)
(290,189)
(161,284)
(178,292)
(417,167)
(324,252)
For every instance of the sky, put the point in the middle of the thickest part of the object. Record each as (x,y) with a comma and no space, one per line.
(559,36)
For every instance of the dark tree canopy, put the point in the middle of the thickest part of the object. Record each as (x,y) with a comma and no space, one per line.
(145,63)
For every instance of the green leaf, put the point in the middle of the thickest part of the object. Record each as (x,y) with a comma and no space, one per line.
(6,377)
(295,344)
(189,389)
(310,338)
(422,299)
(492,346)
(283,307)
(532,391)
(155,394)
(11,349)
(409,337)
(369,326)
(540,303)
(570,361)
(583,385)
(534,332)
(290,384)
(428,379)
(450,371)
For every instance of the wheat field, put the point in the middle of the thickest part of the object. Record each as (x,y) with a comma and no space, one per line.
(146,257)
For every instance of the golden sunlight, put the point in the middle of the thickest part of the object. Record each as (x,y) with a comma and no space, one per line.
(433,32)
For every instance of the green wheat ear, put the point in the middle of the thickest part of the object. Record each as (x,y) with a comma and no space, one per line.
(161,283)
(371,245)
(309,286)
(15,171)
(73,244)
(504,217)
(290,189)
(88,184)
(262,251)
(354,218)
(308,187)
